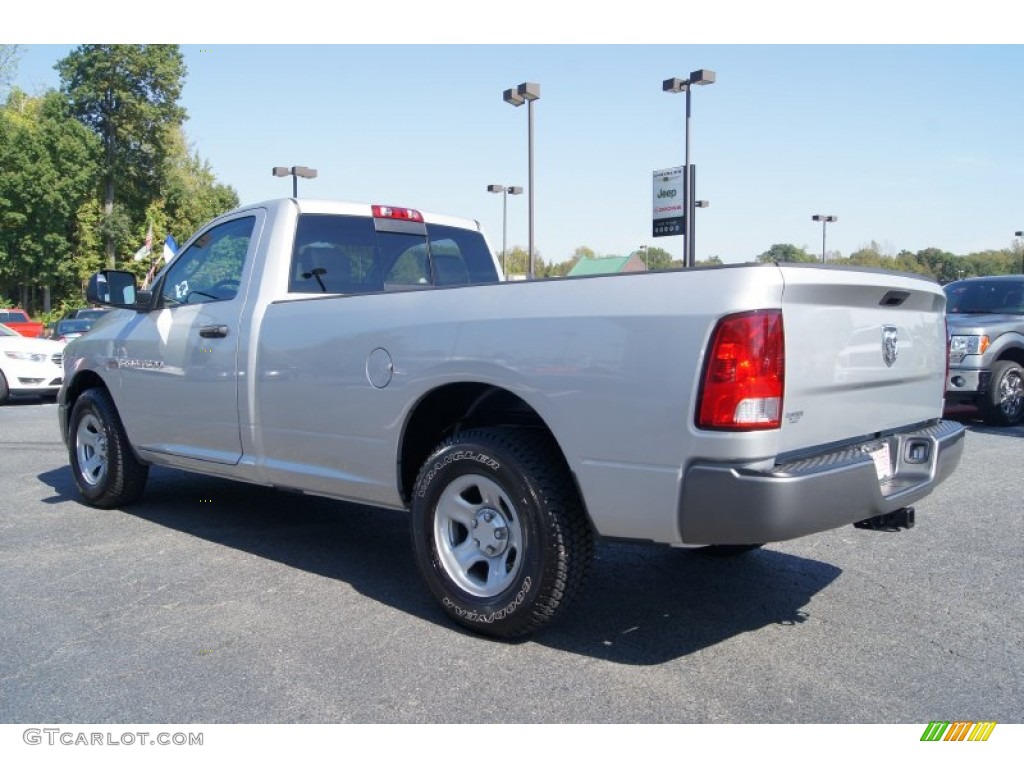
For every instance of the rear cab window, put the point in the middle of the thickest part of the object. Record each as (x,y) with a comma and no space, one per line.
(360,254)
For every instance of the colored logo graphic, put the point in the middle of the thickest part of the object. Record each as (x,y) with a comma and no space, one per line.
(961,730)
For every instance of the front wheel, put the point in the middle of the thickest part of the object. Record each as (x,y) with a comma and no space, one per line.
(499,532)
(1003,405)
(106,471)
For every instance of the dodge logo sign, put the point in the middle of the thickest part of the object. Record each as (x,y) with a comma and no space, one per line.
(889,346)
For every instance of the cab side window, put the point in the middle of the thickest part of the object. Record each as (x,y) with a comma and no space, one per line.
(210,269)
(460,257)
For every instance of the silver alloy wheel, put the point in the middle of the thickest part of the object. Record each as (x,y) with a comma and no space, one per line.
(91,450)
(1011,394)
(478,536)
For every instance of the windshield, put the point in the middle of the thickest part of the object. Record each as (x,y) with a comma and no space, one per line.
(5,331)
(985,296)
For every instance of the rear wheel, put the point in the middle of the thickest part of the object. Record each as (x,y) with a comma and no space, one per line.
(4,389)
(106,471)
(1003,405)
(499,532)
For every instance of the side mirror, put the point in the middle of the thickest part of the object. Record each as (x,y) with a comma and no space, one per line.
(117,288)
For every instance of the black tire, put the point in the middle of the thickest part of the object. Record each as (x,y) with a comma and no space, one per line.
(499,531)
(5,391)
(106,471)
(1003,405)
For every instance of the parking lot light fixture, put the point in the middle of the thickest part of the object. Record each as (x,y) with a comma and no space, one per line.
(505,192)
(679,85)
(526,93)
(295,172)
(824,219)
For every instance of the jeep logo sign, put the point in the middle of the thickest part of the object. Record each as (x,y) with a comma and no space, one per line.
(668,214)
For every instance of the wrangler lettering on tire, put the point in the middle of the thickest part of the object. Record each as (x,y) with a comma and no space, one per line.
(499,532)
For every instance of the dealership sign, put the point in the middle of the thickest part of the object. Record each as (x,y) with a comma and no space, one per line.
(669,191)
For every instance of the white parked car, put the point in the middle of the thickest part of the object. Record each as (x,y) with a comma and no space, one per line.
(29,366)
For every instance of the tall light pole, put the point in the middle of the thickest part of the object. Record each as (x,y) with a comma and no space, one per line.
(295,172)
(505,192)
(1020,233)
(824,219)
(528,93)
(678,85)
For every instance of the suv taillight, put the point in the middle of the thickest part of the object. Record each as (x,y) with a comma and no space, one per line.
(744,374)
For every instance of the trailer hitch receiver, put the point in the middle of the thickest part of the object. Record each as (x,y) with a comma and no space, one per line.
(893,521)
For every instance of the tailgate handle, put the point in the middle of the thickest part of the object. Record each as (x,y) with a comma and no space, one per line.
(894,298)
(213,331)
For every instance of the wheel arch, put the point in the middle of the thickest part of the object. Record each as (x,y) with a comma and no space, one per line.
(452,408)
(82,381)
(1014,354)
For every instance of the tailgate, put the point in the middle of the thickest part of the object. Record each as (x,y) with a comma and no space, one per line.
(865,353)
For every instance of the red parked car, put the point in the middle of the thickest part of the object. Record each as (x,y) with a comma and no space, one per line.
(18,320)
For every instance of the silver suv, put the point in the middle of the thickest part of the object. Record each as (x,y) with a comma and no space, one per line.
(985,320)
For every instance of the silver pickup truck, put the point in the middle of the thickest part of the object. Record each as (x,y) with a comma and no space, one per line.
(374,354)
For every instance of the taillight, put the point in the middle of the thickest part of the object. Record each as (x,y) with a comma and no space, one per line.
(389,212)
(744,374)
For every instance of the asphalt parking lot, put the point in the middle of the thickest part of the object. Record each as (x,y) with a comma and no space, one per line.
(216,602)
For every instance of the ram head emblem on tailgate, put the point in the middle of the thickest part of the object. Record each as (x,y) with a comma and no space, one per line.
(889,345)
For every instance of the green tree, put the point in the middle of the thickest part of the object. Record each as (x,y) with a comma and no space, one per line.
(190,194)
(561,269)
(48,170)
(517,262)
(786,252)
(934,262)
(189,197)
(869,256)
(659,258)
(1002,262)
(9,56)
(128,95)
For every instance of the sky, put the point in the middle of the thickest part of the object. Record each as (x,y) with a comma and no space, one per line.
(910,144)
